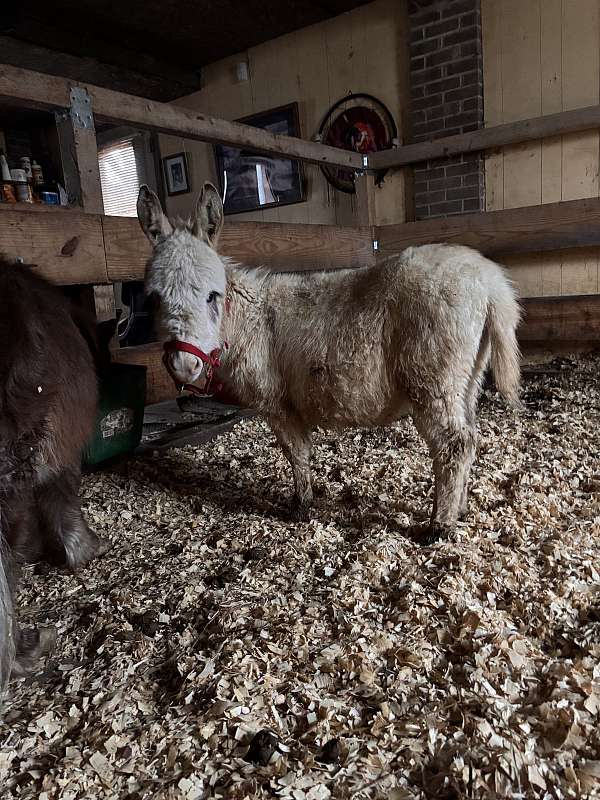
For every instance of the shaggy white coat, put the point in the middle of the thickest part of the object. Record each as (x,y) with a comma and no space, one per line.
(359,347)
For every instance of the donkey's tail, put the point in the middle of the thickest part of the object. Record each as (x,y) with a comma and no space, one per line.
(7,639)
(503,318)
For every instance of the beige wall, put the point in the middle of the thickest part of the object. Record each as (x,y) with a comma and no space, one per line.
(361,51)
(541,57)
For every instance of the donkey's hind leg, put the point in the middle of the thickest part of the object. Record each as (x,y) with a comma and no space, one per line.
(66,536)
(471,400)
(7,615)
(295,441)
(451,443)
(20,650)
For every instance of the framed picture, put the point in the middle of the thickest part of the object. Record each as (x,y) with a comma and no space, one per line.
(176,174)
(249,181)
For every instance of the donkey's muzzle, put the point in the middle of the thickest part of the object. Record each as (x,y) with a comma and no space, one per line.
(185,367)
(184,362)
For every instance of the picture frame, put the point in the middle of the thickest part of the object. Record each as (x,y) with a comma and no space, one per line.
(250,181)
(176,174)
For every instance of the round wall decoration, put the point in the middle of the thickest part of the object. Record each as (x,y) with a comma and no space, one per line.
(357,122)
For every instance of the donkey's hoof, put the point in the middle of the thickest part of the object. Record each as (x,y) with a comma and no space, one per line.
(32,645)
(299,512)
(436,532)
(102,546)
(82,549)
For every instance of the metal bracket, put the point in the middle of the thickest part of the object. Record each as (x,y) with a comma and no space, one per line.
(81,108)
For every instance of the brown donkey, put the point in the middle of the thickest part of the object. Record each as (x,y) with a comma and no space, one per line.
(48,403)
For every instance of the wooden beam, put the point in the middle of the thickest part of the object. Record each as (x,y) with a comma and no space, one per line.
(48,91)
(79,152)
(569,320)
(554,226)
(71,247)
(277,246)
(118,69)
(64,246)
(365,199)
(526,130)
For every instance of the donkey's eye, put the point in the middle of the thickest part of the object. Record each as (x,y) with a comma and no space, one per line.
(212,297)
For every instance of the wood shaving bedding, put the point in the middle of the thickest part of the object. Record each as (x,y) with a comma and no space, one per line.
(220,650)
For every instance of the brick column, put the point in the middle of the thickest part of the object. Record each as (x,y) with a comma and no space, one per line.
(446,89)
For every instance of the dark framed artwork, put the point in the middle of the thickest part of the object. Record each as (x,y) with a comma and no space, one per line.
(176,172)
(249,181)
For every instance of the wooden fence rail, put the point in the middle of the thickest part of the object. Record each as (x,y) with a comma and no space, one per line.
(39,90)
(525,130)
(73,247)
(532,229)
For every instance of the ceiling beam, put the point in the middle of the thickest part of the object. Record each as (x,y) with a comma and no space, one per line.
(142,76)
(47,91)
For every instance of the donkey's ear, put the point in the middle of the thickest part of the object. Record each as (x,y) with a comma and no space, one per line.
(152,219)
(209,215)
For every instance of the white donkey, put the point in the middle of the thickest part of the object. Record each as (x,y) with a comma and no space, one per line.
(357,347)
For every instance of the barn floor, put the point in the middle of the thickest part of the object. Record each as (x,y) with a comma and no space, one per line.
(469,669)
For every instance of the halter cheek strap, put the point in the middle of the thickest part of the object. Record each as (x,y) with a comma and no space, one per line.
(212,361)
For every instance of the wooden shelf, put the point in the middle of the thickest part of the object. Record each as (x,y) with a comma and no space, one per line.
(38,207)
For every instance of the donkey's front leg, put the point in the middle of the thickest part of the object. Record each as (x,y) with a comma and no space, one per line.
(31,646)
(66,537)
(295,441)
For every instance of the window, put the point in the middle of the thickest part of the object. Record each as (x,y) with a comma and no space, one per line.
(122,172)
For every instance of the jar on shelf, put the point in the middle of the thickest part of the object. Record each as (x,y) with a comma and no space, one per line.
(22,186)
(25,162)
(38,175)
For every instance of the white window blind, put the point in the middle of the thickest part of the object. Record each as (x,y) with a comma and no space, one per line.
(122,172)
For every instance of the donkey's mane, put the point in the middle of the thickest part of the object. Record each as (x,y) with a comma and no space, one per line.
(181,224)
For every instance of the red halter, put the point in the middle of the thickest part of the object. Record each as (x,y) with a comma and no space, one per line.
(212,361)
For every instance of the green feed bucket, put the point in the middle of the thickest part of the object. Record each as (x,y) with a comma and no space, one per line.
(120,414)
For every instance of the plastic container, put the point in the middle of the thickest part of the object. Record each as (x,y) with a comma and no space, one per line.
(25,162)
(8,193)
(50,198)
(38,175)
(6,176)
(23,191)
(120,416)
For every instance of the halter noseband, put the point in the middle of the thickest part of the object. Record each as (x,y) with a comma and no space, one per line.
(212,361)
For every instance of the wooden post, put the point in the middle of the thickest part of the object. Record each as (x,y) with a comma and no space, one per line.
(79,154)
(365,199)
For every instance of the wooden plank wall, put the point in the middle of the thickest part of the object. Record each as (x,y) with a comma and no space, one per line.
(365,50)
(560,322)
(542,57)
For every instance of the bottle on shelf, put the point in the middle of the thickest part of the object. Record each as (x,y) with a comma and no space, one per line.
(26,167)
(38,175)
(5,168)
(22,186)
(8,191)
